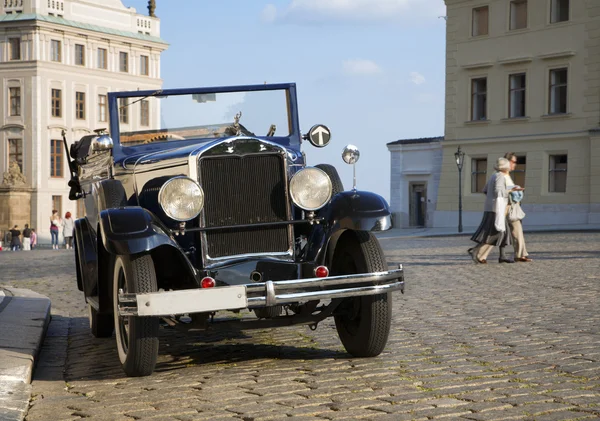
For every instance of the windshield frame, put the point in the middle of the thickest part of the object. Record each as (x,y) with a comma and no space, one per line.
(119,151)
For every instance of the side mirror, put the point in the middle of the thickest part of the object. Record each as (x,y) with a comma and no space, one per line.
(102,143)
(350,155)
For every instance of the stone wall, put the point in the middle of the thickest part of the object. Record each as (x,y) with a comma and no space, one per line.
(15,208)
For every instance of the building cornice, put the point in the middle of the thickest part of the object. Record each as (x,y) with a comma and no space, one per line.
(37,18)
(12,126)
(557,55)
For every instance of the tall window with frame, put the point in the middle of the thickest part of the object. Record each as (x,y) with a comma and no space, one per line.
(57,204)
(14,45)
(15,152)
(80,105)
(123,62)
(559,11)
(55,50)
(479,99)
(518,14)
(558,91)
(144,71)
(102,58)
(145,112)
(480,21)
(79,55)
(557,180)
(123,110)
(15,101)
(518,174)
(56,103)
(56,159)
(102,108)
(516,95)
(478,174)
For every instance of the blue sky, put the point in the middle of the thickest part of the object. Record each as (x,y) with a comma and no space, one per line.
(371,70)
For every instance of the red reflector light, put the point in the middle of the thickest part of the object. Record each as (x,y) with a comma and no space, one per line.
(207,282)
(321,271)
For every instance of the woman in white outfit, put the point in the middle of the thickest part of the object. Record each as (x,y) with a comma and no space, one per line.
(494,229)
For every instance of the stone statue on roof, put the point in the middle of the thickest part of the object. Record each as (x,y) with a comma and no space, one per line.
(14,176)
(151,8)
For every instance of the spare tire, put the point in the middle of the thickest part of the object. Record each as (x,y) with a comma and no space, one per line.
(336,182)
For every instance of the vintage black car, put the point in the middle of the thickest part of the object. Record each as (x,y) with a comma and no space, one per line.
(200,201)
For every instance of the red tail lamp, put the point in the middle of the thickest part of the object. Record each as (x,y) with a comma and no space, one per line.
(322,272)
(207,282)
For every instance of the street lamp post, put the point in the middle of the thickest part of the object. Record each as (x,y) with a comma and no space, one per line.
(460,158)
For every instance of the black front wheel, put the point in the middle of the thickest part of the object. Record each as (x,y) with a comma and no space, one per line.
(363,323)
(137,337)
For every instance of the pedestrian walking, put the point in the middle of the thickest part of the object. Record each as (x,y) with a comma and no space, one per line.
(55,223)
(26,238)
(493,229)
(33,238)
(15,238)
(68,226)
(516,227)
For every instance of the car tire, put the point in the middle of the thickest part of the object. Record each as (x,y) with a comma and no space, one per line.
(336,181)
(137,337)
(363,323)
(112,196)
(101,325)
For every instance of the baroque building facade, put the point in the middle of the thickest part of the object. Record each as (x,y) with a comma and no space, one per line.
(58,61)
(523,76)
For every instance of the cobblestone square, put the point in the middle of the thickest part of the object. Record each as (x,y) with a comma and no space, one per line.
(469,342)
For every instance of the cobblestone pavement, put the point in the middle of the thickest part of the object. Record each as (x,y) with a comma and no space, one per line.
(469,342)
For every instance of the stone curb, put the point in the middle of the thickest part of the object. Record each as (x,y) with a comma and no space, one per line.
(24,319)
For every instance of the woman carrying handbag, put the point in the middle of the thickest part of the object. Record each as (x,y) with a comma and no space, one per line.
(516,214)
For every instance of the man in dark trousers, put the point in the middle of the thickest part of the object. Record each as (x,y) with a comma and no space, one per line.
(15,241)
(26,238)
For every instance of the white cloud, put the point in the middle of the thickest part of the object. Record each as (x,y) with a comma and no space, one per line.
(328,11)
(417,78)
(360,67)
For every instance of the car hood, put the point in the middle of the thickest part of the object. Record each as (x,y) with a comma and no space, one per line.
(179,155)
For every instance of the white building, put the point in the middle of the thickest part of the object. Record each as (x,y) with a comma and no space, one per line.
(415,172)
(58,60)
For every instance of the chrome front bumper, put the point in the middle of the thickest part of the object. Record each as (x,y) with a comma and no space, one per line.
(263,294)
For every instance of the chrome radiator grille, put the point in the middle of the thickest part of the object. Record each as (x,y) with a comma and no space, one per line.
(241,191)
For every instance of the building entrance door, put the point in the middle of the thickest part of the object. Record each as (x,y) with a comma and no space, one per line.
(418,204)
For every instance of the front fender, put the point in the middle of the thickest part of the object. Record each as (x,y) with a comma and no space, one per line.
(131,230)
(349,210)
(357,210)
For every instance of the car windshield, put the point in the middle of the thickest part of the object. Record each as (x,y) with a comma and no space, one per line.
(159,118)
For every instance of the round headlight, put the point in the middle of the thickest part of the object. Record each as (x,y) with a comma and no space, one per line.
(181,198)
(310,188)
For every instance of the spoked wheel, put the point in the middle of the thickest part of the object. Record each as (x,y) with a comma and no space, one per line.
(137,337)
(363,323)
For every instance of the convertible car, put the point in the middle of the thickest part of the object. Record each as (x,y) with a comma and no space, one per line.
(199,203)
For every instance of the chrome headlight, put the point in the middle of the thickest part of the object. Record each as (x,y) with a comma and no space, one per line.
(310,188)
(181,198)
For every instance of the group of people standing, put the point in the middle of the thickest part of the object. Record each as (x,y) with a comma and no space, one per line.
(56,224)
(28,240)
(501,224)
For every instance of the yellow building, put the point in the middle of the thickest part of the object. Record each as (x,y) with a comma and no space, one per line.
(523,76)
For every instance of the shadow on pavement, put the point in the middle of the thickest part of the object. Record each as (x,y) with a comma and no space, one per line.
(71,353)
